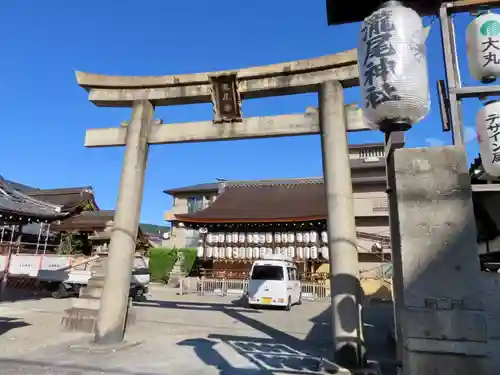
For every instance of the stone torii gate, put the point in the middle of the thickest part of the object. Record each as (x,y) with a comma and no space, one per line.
(327,75)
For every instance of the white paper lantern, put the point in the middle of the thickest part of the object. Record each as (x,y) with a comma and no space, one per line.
(229,237)
(325,253)
(255,252)
(269,237)
(324,236)
(277,250)
(313,237)
(298,236)
(269,251)
(483,42)
(262,238)
(248,253)
(235,237)
(488,130)
(241,238)
(242,253)
(236,252)
(305,237)
(262,253)
(221,237)
(210,252)
(229,252)
(277,237)
(284,238)
(216,252)
(256,238)
(209,238)
(393,68)
(300,252)
(249,237)
(199,252)
(314,252)
(307,252)
(291,252)
(291,237)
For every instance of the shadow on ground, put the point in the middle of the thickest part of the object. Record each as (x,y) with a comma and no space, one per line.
(284,353)
(8,324)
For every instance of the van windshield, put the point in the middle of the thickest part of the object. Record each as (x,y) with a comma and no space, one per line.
(267,273)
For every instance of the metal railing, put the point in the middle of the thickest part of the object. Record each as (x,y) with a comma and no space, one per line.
(311,290)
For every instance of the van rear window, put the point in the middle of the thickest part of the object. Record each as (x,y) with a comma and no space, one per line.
(267,273)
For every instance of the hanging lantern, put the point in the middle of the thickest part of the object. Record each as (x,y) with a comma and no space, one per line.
(325,253)
(269,252)
(241,238)
(307,252)
(229,237)
(216,252)
(236,252)
(488,130)
(393,68)
(209,238)
(284,237)
(262,253)
(324,237)
(313,237)
(298,236)
(242,253)
(269,237)
(255,252)
(221,237)
(256,238)
(314,252)
(277,250)
(235,237)
(291,237)
(277,237)
(305,237)
(483,47)
(249,237)
(262,238)
(210,252)
(199,252)
(300,252)
(291,251)
(248,253)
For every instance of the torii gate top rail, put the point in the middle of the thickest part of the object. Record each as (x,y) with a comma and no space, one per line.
(294,77)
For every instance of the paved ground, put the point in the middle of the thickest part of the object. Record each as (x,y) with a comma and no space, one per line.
(179,335)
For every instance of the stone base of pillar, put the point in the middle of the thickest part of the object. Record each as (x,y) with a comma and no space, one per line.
(328,367)
(83,313)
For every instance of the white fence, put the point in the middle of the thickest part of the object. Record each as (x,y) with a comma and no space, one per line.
(311,290)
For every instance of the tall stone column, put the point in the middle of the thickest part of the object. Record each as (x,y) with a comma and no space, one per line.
(345,286)
(441,323)
(115,298)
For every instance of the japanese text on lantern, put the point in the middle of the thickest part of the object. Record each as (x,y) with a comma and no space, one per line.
(493,131)
(226,98)
(490,50)
(379,60)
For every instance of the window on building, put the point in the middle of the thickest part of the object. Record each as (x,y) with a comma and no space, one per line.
(194,204)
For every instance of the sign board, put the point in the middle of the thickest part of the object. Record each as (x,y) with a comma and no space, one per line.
(226,98)
(24,265)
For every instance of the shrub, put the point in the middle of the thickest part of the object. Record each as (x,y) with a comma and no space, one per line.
(161,262)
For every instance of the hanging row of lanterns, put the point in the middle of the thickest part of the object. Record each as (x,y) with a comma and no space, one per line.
(394,79)
(483,56)
(267,238)
(302,253)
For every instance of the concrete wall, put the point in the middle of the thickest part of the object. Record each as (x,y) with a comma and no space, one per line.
(491,293)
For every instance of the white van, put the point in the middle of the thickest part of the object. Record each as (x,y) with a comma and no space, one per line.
(274,281)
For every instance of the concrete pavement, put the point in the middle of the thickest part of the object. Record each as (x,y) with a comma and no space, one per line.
(173,335)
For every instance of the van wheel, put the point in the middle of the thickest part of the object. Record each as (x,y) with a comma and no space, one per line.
(289,304)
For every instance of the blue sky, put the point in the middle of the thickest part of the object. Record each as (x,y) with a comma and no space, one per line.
(44,113)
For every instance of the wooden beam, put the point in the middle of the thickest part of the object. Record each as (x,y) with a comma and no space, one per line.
(203,131)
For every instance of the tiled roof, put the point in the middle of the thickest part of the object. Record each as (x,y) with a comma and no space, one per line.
(14,202)
(71,199)
(265,201)
(86,221)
